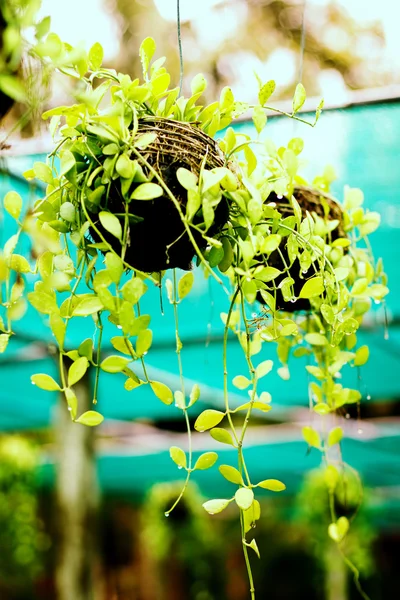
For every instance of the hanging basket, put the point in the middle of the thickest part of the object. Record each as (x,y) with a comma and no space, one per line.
(157,237)
(310,201)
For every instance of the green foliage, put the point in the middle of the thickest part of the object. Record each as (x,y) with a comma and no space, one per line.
(22,536)
(273,249)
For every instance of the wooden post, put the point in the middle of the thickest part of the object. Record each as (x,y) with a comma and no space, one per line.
(77,499)
(336,575)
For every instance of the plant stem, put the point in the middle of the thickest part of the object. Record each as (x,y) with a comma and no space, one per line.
(246,558)
(225,365)
(98,357)
(182,381)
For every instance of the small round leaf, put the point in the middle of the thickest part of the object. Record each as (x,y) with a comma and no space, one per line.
(244,498)
(206,460)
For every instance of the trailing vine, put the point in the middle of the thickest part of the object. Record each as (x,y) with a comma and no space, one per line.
(136,185)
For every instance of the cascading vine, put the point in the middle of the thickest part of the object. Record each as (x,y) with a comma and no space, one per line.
(128,152)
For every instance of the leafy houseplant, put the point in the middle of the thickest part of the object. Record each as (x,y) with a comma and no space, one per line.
(136,176)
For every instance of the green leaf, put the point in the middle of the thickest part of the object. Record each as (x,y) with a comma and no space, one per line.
(162,391)
(187,179)
(185,284)
(67,162)
(266,91)
(194,395)
(335,436)
(140,324)
(319,110)
(19,264)
(144,140)
(178,456)
(231,474)
(216,506)
(125,167)
(123,345)
(311,437)
(251,515)
(45,382)
(260,405)
(338,530)
(147,191)
(268,274)
(331,477)
(87,306)
(299,97)
(198,84)
(270,243)
(42,28)
(241,382)
(4,339)
(244,498)
(313,287)
(126,316)
(222,436)
(111,223)
(13,204)
(102,279)
(206,461)
(362,356)
(43,302)
(43,172)
(274,485)
(91,418)
(316,339)
(259,118)
(133,290)
(114,364)
(146,52)
(253,546)
(72,402)
(180,401)
(327,313)
(144,341)
(207,419)
(95,56)
(264,368)
(86,348)
(77,370)
(115,267)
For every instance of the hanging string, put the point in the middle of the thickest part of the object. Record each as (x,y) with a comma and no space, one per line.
(178,22)
(302,42)
(301,57)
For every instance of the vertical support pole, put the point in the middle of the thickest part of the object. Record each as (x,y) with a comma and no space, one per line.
(336,575)
(77,500)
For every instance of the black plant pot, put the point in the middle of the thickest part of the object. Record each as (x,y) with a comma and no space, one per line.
(157,237)
(311,201)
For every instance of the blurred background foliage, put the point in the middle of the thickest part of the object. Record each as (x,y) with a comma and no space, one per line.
(330,45)
(141,554)
(23,540)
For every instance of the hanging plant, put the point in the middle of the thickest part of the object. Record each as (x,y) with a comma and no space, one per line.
(137,177)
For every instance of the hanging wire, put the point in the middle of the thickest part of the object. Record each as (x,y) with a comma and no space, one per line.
(301,57)
(302,42)
(178,23)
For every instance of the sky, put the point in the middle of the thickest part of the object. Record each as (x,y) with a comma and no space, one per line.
(70,20)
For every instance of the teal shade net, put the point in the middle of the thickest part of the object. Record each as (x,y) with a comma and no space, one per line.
(363,145)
